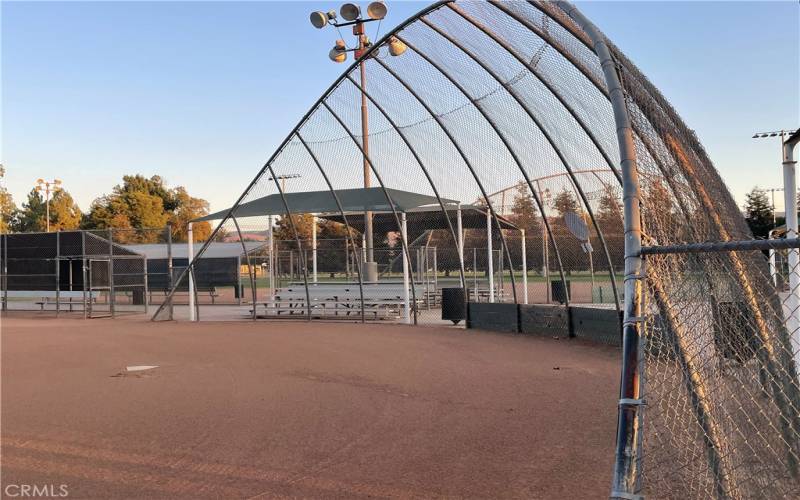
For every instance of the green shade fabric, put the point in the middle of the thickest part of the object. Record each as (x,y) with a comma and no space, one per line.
(323,202)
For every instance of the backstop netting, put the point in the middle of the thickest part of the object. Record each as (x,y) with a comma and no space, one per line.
(505,106)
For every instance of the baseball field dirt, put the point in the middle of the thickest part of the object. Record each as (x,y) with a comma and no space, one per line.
(295,409)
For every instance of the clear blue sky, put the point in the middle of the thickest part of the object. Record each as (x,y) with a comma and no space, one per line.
(202,92)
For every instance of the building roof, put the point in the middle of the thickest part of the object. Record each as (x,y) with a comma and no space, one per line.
(323,202)
(181,250)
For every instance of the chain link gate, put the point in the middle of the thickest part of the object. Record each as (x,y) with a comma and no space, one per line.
(99,296)
(718,374)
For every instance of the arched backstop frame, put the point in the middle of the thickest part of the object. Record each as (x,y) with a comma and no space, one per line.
(651,143)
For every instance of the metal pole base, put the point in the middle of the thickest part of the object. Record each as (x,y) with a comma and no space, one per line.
(369,272)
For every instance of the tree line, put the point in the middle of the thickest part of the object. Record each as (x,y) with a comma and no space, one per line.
(523,214)
(759,214)
(134,206)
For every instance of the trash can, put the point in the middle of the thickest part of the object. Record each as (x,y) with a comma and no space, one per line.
(138,297)
(454,306)
(559,292)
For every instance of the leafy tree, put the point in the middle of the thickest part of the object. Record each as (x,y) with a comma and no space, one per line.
(141,203)
(758,212)
(565,202)
(31,217)
(188,208)
(524,210)
(302,223)
(64,212)
(609,211)
(8,209)
(662,221)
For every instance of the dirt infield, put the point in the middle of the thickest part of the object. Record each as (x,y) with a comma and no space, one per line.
(265,410)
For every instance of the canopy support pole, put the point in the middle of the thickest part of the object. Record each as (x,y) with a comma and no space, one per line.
(271,259)
(314,248)
(524,269)
(490,263)
(406,303)
(190,244)
(460,228)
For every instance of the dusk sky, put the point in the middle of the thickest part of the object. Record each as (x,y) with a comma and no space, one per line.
(201,93)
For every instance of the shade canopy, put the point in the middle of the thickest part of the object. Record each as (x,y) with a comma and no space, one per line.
(424,218)
(323,202)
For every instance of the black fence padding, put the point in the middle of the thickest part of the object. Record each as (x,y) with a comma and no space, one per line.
(26,274)
(128,272)
(63,244)
(496,317)
(32,261)
(76,277)
(734,336)
(544,319)
(70,244)
(454,304)
(558,293)
(209,272)
(596,324)
(29,246)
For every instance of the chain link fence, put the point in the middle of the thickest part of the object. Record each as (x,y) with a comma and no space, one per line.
(72,272)
(719,373)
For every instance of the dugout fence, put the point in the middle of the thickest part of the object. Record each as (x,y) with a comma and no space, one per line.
(717,370)
(72,272)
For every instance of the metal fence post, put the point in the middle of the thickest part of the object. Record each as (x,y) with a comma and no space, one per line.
(86,275)
(5,272)
(168,230)
(489,257)
(111,291)
(790,202)
(190,255)
(524,268)
(146,290)
(406,305)
(58,272)
(627,474)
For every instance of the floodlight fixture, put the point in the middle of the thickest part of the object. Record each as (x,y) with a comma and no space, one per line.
(376,10)
(774,133)
(350,11)
(362,51)
(282,178)
(47,187)
(338,53)
(396,46)
(319,19)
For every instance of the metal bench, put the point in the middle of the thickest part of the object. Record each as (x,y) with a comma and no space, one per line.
(338,300)
(46,297)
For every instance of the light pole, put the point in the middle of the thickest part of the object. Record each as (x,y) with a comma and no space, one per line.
(772,191)
(351,13)
(48,187)
(790,202)
(782,135)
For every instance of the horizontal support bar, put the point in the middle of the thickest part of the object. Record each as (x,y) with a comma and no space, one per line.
(723,246)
